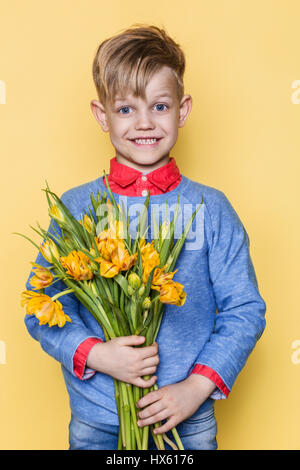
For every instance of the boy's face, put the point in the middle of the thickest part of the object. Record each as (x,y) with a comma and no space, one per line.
(157,117)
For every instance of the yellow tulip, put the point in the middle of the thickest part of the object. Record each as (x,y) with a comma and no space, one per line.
(172,293)
(28,295)
(105,245)
(115,258)
(77,265)
(56,213)
(42,277)
(122,258)
(44,308)
(160,277)
(115,231)
(59,318)
(88,223)
(108,269)
(47,248)
(150,258)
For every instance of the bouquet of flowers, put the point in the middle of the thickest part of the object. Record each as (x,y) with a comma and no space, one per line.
(123,282)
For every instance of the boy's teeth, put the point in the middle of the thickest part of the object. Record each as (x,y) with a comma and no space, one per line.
(145,141)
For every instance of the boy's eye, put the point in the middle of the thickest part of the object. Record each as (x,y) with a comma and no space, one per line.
(126,108)
(161,104)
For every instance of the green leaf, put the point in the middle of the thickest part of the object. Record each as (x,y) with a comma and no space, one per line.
(149,282)
(122,281)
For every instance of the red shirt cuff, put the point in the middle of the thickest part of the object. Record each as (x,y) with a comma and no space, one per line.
(81,354)
(212,375)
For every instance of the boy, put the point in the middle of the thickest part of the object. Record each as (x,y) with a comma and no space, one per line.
(139,80)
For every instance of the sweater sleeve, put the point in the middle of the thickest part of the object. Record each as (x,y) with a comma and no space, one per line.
(60,343)
(80,357)
(240,318)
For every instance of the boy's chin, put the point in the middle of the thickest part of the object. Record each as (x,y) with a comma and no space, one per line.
(145,160)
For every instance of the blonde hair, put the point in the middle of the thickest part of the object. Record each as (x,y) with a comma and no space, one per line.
(128,60)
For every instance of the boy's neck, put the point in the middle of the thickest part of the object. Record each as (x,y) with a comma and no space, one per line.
(143,168)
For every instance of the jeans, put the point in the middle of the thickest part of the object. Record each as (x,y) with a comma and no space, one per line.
(197,433)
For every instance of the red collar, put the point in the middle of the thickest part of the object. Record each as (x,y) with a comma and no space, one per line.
(162,177)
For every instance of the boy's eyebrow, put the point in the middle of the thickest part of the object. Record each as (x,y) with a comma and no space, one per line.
(160,95)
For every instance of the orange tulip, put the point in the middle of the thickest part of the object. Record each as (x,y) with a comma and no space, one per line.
(108,269)
(115,258)
(77,265)
(42,277)
(160,277)
(172,293)
(105,245)
(150,258)
(121,257)
(44,308)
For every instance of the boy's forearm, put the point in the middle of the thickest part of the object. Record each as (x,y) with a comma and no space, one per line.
(96,357)
(201,386)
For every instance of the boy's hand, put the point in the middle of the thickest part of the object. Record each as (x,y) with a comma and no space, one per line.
(119,359)
(175,402)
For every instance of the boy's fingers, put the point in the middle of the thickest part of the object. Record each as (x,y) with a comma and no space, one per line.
(149,370)
(149,351)
(132,340)
(145,383)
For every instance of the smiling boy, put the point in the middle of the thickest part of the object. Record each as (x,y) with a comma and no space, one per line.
(198,355)
(143,130)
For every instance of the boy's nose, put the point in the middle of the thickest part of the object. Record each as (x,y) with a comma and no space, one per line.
(144,121)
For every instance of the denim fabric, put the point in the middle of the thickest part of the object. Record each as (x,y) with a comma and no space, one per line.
(197,433)
(219,324)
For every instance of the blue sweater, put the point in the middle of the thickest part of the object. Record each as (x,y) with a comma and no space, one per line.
(219,324)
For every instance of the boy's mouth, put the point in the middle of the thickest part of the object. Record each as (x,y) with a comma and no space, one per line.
(146,142)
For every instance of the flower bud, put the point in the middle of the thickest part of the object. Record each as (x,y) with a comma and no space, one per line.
(147,303)
(134,280)
(92,287)
(130,290)
(49,248)
(141,290)
(56,213)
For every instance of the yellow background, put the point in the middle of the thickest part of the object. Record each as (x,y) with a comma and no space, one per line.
(242,137)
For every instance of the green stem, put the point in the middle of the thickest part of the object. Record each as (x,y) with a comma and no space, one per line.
(127,419)
(122,419)
(60,294)
(177,439)
(159,437)
(116,294)
(122,301)
(133,436)
(145,438)
(133,415)
(117,397)
(155,438)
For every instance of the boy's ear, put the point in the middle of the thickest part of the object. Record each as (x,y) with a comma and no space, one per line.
(184,109)
(100,114)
